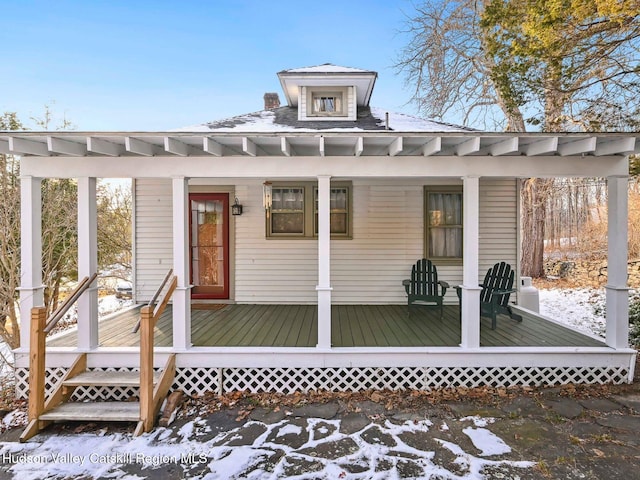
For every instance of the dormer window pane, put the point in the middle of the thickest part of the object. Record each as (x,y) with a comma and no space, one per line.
(327,104)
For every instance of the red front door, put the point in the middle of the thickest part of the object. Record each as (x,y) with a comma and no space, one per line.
(209,241)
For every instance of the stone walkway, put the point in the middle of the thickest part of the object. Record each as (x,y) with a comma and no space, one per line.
(540,436)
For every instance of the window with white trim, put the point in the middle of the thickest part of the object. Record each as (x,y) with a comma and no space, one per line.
(326,102)
(443,224)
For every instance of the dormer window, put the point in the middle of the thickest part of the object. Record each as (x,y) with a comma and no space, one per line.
(326,102)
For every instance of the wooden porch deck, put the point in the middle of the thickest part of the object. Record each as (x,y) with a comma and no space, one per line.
(352,326)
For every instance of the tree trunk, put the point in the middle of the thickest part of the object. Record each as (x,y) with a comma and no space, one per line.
(534,202)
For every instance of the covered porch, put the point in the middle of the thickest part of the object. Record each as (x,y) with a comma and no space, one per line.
(351,326)
(306,303)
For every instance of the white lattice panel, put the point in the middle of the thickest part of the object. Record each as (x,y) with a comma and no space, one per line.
(201,380)
(194,381)
(378,378)
(280,380)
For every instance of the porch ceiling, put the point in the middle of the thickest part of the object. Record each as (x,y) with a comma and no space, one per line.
(283,144)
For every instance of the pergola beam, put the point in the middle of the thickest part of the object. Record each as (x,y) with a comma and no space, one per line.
(139,147)
(359,147)
(104,147)
(432,147)
(396,147)
(178,147)
(505,147)
(468,147)
(249,147)
(22,145)
(584,145)
(66,147)
(285,147)
(211,146)
(624,145)
(544,146)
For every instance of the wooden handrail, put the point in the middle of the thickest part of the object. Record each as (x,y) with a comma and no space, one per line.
(55,317)
(40,326)
(154,298)
(149,403)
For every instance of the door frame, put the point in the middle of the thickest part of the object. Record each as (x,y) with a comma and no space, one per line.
(224,197)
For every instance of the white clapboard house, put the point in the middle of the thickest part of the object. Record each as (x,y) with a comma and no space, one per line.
(290,231)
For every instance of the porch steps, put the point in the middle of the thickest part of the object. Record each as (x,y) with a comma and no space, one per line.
(94,412)
(58,408)
(107,379)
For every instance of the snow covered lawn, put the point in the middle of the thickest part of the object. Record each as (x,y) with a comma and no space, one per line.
(579,308)
(308,448)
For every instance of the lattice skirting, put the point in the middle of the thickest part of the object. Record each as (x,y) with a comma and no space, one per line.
(201,380)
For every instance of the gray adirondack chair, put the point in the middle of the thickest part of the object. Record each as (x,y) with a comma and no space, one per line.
(496,290)
(424,288)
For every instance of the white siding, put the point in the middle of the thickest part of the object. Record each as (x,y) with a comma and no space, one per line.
(387,239)
(271,270)
(498,223)
(153,235)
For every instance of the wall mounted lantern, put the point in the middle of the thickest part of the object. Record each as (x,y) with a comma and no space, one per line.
(236,208)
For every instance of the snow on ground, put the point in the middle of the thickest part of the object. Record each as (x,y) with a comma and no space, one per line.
(106,306)
(112,455)
(580,308)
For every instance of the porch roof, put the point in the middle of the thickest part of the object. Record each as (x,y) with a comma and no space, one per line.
(379,143)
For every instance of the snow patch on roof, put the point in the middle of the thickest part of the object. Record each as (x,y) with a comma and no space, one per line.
(326,68)
(265,122)
(401,122)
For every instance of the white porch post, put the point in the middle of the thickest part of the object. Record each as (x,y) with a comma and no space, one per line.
(31,287)
(617,315)
(470,303)
(182,294)
(87,262)
(324,263)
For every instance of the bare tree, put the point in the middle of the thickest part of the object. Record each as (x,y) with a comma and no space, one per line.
(568,65)
(114,227)
(446,65)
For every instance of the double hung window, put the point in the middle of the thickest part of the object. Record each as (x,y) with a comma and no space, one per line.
(443,224)
(294,211)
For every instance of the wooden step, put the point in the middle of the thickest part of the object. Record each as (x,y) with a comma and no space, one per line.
(94,412)
(97,378)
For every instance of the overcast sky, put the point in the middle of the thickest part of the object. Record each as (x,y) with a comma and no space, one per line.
(159,65)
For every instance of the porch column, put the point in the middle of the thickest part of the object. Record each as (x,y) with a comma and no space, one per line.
(324,263)
(87,262)
(617,307)
(31,287)
(470,303)
(182,294)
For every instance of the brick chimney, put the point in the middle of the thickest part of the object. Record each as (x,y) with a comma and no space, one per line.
(271,101)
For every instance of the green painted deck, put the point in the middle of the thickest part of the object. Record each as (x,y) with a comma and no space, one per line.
(352,326)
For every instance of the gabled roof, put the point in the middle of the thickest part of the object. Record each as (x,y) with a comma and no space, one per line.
(285,119)
(327,75)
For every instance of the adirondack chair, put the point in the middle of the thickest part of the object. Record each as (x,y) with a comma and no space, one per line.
(423,288)
(496,289)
